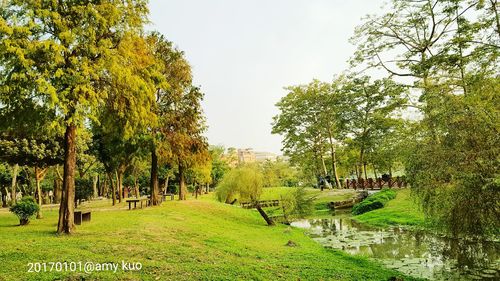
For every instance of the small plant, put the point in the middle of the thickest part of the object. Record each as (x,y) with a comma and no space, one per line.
(25,209)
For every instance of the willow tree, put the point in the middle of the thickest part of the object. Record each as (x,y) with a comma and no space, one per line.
(64,49)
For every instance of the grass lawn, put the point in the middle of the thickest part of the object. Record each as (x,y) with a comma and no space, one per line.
(402,210)
(190,240)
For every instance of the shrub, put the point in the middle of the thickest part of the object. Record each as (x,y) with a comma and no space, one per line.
(297,204)
(243,183)
(84,189)
(25,209)
(374,201)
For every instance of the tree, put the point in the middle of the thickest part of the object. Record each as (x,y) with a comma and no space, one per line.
(219,165)
(369,113)
(307,125)
(450,50)
(63,61)
(178,138)
(246,183)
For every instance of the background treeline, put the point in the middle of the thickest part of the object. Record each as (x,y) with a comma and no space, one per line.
(422,96)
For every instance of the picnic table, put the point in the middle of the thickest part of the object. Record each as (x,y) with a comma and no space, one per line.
(144,202)
(80,216)
(171,195)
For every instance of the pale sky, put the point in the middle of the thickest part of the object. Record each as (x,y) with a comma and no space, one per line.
(244,52)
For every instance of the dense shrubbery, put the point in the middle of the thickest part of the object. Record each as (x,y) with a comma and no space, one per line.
(24,209)
(374,201)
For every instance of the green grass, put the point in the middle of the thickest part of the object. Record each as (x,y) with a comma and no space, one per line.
(402,210)
(190,240)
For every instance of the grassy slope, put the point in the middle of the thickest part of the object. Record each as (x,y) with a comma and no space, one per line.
(400,211)
(195,239)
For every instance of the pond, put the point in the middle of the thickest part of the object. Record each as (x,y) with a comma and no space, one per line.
(414,253)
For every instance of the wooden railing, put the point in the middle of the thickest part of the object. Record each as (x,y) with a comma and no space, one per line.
(377,183)
(263,204)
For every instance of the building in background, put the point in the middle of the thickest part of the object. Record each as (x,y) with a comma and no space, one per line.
(261,156)
(235,157)
(246,156)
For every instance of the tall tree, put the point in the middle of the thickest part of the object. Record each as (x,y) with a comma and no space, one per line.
(370,113)
(63,49)
(178,138)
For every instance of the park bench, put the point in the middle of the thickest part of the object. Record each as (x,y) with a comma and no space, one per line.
(171,195)
(144,202)
(80,216)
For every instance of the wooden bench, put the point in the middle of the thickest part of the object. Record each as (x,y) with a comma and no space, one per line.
(144,202)
(80,216)
(171,195)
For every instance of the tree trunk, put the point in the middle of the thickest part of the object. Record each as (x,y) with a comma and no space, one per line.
(269,221)
(119,184)
(136,187)
(57,191)
(165,187)
(39,193)
(364,168)
(154,185)
(361,162)
(4,196)
(66,209)
(94,185)
(14,184)
(182,184)
(323,164)
(334,158)
(113,187)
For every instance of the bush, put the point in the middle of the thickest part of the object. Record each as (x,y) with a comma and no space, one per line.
(25,209)
(243,183)
(84,189)
(374,201)
(297,204)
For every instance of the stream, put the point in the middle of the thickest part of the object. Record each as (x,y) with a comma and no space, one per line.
(413,253)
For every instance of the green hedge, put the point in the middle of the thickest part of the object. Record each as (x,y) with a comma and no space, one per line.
(374,201)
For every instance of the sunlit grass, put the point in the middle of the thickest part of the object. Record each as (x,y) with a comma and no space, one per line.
(192,240)
(402,210)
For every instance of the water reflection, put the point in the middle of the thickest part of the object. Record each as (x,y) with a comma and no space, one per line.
(415,253)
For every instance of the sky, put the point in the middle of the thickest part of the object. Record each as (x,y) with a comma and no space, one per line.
(243,53)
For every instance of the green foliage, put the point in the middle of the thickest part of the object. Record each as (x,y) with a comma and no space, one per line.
(83,189)
(374,201)
(279,173)
(219,165)
(243,183)
(25,208)
(454,164)
(298,203)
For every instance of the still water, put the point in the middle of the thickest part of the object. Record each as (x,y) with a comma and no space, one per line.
(414,253)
